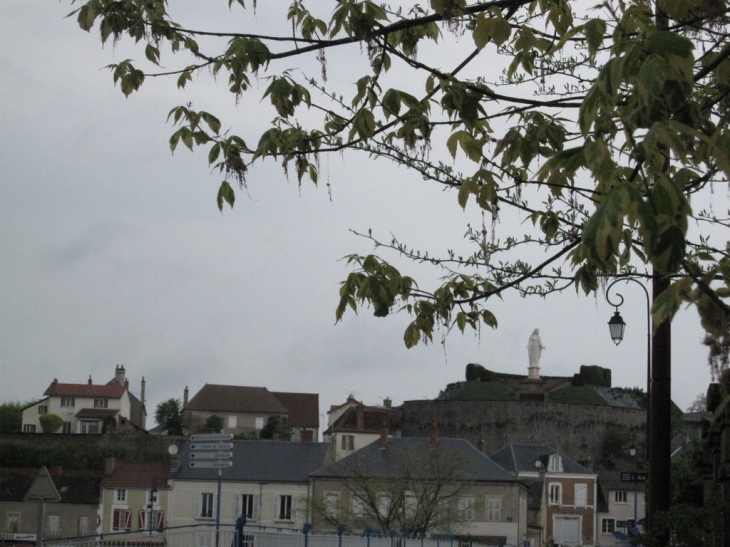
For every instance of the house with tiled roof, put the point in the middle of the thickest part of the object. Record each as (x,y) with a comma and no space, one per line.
(436,486)
(618,500)
(354,425)
(73,514)
(568,500)
(268,482)
(246,409)
(134,496)
(90,408)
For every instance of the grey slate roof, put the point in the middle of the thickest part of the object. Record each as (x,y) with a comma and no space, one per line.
(74,486)
(221,398)
(520,458)
(378,463)
(261,461)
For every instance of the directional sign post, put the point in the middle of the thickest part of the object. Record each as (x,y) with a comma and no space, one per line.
(636,478)
(209,451)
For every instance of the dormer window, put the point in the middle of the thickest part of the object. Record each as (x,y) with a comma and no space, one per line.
(555,463)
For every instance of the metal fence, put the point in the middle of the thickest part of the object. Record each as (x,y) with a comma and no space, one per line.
(206,536)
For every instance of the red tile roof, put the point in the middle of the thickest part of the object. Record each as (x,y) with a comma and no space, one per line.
(303,408)
(114,391)
(219,398)
(131,474)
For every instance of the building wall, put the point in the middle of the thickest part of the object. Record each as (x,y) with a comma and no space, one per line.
(135,500)
(568,507)
(69,516)
(359,441)
(574,429)
(68,413)
(183,509)
(620,511)
(512,524)
(244,422)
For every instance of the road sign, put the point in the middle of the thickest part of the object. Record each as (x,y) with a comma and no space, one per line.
(211,455)
(211,464)
(634,477)
(211,446)
(213,437)
(625,523)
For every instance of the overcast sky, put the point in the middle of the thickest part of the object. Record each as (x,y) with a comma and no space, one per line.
(113,252)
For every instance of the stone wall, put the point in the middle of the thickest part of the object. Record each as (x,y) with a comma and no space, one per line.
(577,430)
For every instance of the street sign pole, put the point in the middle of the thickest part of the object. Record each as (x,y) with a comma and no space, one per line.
(218,509)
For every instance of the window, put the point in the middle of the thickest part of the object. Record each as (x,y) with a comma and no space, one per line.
(384,505)
(466,508)
(90,426)
(66,427)
(259,424)
(581,495)
(121,519)
(53,525)
(101,403)
(121,494)
(555,494)
(331,504)
(82,528)
(348,442)
(494,509)
(249,506)
(619,496)
(157,522)
(608,526)
(232,422)
(68,401)
(13,523)
(43,409)
(555,463)
(410,504)
(152,495)
(358,506)
(29,428)
(285,508)
(206,505)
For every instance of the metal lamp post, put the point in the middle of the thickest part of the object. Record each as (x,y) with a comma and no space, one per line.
(150,505)
(617,326)
(632,453)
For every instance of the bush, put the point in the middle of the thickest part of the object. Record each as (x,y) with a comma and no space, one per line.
(50,423)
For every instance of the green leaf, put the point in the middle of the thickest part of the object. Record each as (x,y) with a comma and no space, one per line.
(665,43)
(225,193)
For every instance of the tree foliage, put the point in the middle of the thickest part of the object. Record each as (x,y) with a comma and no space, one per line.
(50,423)
(168,414)
(603,125)
(214,422)
(11,417)
(276,428)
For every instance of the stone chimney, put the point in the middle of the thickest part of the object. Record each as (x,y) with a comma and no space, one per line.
(119,375)
(89,379)
(185,397)
(383,439)
(109,465)
(433,435)
(387,402)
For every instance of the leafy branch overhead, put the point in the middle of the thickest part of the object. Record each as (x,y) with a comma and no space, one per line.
(603,128)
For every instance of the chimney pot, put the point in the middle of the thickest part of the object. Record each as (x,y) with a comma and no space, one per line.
(383,438)
(89,379)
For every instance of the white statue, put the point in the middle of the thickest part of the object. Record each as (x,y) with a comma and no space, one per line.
(534,350)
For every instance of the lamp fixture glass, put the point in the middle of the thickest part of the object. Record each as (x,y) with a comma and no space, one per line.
(616,326)
(632,451)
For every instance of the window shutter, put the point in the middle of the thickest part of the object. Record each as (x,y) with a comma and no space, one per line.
(255,512)
(127,519)
(344,443)
(196,505)
(294,503)
(276,508)
(238,504)
(142,520)
(160,520)
(115,520)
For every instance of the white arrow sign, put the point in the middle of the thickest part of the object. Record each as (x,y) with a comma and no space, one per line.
(211,446)
(212,464)
(212,437)
(211,455)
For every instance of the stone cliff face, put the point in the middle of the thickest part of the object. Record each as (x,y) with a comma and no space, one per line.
(582,431)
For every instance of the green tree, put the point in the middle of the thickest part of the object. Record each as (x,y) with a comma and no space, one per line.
(276,428)
(50,423)
(214,422)
(169,415)
(595,122)
(11,417)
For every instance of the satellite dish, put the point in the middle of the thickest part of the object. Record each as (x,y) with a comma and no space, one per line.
(172,449)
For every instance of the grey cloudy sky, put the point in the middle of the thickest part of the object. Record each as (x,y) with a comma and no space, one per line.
(113,251)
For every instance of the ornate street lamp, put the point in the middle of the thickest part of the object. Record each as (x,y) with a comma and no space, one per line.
(617,325)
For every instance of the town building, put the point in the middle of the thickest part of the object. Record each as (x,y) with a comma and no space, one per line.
(353,425)
(568,493)
(618,501)
(415,486)
(246,409)
(90,408)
